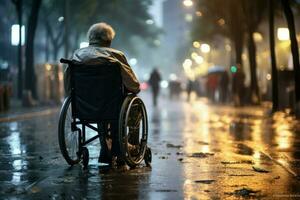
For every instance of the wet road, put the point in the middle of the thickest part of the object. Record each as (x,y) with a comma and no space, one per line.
(200,151)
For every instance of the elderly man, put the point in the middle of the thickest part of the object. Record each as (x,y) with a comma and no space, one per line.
(100,36)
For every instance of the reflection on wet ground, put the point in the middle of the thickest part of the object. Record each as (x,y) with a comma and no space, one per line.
(200,151)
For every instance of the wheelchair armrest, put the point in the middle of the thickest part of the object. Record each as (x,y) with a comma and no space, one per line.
(66,61)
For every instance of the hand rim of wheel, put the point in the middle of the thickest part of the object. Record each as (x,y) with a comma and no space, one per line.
(123,133)
(61,132)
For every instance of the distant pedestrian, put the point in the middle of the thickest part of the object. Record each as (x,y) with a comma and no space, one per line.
(189,89)
(238,86)
(212,85)
(154,82)
(224,87)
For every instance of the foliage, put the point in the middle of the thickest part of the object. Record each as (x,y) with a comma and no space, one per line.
(128,17)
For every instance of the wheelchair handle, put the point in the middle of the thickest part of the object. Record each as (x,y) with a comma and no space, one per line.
(66,61)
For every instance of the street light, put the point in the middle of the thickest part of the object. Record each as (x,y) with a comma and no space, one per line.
(149,21)
(283,34)
(199,60)
(187,64)
(15,37)
(188,3)
(205,48)
(258,37)
(188,17)
(83,44)
(196,44)
(133,61)
(61,19)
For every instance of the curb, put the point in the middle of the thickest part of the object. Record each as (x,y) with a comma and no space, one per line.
(29,115)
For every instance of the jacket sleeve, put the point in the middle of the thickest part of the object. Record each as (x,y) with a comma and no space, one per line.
(129,79)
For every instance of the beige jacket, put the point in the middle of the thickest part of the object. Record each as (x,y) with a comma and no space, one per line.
(94,54)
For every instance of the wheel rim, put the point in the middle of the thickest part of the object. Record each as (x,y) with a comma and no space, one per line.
(68,139)
(133,129)
(71,137)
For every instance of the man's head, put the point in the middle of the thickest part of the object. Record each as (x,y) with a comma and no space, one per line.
(101,34)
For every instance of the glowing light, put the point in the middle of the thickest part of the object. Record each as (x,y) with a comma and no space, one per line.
(188,17)
(257,37)
(268,77)
(256,155)
(83,44)
(144,86)
(61,19)
(164,84)
(156,42)
(149,21)
(233,69)
(205,48)
(133,61)
(283,34)
(221,22)
(227,47)
(187,64)
(188,3)
(194,55)
(15,35)
(196,44)
(48,67)
(199,14)
(199,60)
(173,77)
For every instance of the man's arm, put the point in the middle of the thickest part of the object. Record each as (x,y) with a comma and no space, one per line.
(128,76)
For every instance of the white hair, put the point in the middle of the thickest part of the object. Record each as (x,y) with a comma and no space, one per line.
(100,32)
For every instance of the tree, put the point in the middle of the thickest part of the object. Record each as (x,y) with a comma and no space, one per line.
(30,78)
(253,14)
(53,23)
(128,17)
(225,20)
(275,105)
(241,20)
(18,4)
(294,48)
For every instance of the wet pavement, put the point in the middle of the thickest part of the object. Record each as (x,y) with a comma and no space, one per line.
(200,151)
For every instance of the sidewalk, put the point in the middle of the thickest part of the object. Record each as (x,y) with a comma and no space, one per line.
(18,112)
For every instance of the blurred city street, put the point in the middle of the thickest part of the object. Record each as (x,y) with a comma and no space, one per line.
(200,151)
(220,81)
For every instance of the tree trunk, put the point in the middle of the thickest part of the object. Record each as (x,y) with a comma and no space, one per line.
(55,52)
(66,33)
(275,105)
(30,77)
(294,48)
(47,46)
(238,46)
(19,9)
(253,66)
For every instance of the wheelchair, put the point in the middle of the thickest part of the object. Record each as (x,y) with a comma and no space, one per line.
(97,98)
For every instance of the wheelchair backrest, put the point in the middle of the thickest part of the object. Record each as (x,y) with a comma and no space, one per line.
(96,91)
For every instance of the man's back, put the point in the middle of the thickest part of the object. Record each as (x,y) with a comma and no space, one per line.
(94,55)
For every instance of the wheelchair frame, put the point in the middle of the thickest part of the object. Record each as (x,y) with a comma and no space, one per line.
(82,151)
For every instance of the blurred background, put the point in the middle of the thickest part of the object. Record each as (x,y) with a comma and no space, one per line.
(201,48)
(226,121)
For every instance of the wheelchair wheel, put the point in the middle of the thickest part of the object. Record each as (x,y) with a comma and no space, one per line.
(148,156)
(85,157)
(133,130)
(68,139)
